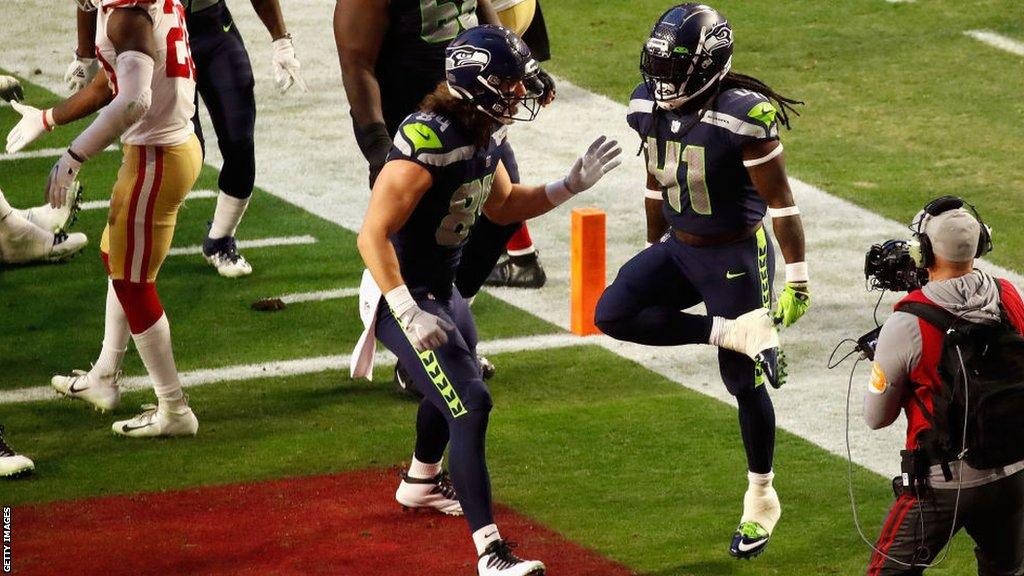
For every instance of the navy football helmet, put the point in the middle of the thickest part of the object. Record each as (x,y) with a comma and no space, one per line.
(688,52)
(481,66)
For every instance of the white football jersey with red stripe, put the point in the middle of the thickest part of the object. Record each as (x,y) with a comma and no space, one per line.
(169,119)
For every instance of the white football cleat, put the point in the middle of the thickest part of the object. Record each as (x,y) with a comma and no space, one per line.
(752,334)
(66,246)
(33,244)
(57,219)
(223,255)
(498,560)
(101,392)
(12,463)
(437,493)
(154,422)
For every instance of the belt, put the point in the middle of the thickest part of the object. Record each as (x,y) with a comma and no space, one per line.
(700,241)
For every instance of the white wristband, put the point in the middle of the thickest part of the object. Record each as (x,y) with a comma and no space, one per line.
(400,300)
(648,245)
(557,192)
(797,273)
(653,194)
(48,122)
(783,212)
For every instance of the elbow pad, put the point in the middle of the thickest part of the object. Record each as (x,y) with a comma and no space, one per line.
(134,97)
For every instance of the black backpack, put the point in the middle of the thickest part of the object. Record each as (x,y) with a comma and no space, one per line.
(993,397)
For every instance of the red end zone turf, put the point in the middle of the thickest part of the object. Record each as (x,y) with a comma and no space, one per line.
(347,524)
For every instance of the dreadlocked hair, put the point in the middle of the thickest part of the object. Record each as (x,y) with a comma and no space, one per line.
(463,114)
(783,104)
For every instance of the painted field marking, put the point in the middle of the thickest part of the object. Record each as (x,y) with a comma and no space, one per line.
(319,295)
(258,243)
(44,153)
(104,204)
(300,366)
(997,41)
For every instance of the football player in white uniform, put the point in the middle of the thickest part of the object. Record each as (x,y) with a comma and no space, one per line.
(145,95)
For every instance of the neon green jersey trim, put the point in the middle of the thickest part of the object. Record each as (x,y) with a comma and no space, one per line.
(422,136)
(763,112)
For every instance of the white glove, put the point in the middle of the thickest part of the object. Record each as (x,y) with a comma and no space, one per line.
(61,177)
(286,65)
(424,330)
(80,73)
(31,126)
(600,159)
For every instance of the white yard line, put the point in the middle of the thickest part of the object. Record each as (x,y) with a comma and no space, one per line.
(43,153)
(998,41)
(244,244)
(319,296)
(104,204)
(301,366)
(321,170)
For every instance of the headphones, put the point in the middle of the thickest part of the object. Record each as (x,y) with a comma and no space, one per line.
(921,249)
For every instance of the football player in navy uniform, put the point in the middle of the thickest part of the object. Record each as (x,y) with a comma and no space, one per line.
(225,83)
(714,167)
(392,56)
(444,170)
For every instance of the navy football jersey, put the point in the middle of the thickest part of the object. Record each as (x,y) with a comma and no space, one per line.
(429,245)
(705,187)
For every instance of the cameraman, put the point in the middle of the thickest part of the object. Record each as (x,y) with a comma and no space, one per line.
(989,503)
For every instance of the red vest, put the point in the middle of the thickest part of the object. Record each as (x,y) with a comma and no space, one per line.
(924,378)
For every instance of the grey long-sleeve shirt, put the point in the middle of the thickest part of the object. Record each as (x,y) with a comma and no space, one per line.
(975,296)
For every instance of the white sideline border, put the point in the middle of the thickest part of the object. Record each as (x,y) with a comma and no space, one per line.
(996,40)
(297,367)
(104,204)
(248,244)
(44,153)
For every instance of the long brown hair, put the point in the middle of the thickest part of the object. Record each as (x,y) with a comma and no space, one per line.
(476,125)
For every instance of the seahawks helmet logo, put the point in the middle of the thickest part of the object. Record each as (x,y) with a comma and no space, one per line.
(467,56)
(717,38)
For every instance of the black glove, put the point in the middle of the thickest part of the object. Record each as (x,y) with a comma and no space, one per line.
(547,93)
(375,143)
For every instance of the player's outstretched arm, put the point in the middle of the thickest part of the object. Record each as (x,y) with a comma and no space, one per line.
(767,168)
(131,32)
(287,69)
(398,190)
(35,122)
(509,203)
(83,66)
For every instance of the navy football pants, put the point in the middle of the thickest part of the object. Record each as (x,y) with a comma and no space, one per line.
(225,82)
(456,403)
(644,305)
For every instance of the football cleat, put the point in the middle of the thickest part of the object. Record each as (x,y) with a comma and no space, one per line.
(518,272)
(437,493)
(101,392)
(223,255)
(770,366)
(752,334)
(749,540)
(487,369)
(33,244)
(154,422)
(498,560)
(11,463)
(57,219)
(404,384)
(761,512)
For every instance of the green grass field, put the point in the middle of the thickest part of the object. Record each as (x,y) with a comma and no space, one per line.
(599,448)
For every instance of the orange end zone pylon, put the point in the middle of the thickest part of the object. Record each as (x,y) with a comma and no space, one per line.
(588,268)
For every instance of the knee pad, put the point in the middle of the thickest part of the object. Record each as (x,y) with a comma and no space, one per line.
(140,303)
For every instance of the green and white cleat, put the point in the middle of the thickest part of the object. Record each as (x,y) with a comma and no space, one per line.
(749,540)
(57,219)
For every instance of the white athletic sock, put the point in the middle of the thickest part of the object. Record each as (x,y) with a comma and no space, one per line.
(760,481)
(227,215)
(761,502)
(484,536)
(154,346)
(422,470)
(717,325)
(5,208)
(115,337)
(20,240)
